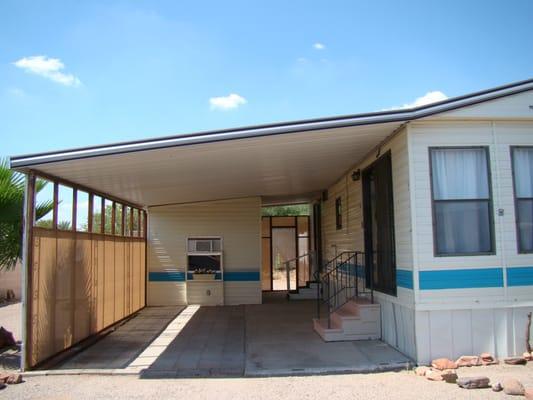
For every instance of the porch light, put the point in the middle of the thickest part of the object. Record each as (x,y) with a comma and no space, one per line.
(356,175)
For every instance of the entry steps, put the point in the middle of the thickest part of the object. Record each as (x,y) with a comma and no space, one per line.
(358,319)
(308,292)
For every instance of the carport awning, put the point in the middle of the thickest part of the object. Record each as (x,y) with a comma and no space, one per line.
(277,166)
(280,161)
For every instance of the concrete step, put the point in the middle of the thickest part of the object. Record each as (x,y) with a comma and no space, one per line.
(356,320)
(304,294)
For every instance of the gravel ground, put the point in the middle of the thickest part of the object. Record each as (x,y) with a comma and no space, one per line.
(389,385)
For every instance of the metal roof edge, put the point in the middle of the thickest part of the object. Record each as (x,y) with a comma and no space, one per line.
(380,117)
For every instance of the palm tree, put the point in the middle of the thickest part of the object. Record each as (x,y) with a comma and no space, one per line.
(11,213)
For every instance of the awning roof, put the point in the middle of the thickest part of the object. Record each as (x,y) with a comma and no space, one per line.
(277,161)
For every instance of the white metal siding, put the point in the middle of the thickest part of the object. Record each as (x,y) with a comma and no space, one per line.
(350,237)
(397,313)
(236,221)
(453,322)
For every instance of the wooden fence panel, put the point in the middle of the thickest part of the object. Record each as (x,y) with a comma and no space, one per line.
(81,283)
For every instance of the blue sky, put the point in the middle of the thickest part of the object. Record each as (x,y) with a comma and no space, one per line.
(76,73)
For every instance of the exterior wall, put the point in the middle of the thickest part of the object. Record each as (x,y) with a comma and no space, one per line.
(238,222)
(397,312)
(467,315)
(11,280)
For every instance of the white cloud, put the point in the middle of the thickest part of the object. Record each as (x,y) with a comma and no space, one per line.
(228,102)
(49,68)
(428,98)
(319,46)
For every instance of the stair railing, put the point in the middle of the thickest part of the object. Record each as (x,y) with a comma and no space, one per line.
(305,271)
(343,278)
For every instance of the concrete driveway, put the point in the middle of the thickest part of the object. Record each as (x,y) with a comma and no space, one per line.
(275,338)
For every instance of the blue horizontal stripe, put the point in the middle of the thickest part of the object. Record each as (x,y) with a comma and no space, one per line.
(519,276)
(404,278)
(461,278)
(166,276)
(352,269)
(241,276)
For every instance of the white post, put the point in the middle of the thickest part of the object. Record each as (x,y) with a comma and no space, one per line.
(27,221)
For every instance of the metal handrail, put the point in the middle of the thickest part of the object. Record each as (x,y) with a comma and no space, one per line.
(287,263)
(340,284)
(327,265)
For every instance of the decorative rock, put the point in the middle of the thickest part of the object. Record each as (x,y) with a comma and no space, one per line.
(449,376)
(497,387)
(487,359)
(515,361)
(468,361)
(443,363)
(528,392)
(14,379)
(4,377)
(433,375)
(473,382)
(422,370)
(2,386)
(513,387)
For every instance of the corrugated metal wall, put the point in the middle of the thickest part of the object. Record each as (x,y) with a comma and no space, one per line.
(81,283)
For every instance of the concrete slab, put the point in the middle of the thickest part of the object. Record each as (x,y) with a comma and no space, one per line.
(119,348)
(210,343)
(280,340)
(271,339)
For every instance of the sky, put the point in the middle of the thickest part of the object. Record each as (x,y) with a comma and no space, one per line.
(79,73)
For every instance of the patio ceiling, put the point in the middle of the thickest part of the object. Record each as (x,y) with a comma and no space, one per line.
(279,168)
(281,162)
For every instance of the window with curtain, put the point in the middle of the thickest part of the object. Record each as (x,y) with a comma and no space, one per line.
(523,187)
(462,208)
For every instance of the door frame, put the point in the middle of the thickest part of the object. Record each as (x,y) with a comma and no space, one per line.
(297,245)
(367,225)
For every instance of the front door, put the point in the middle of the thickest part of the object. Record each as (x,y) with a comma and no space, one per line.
(379,226)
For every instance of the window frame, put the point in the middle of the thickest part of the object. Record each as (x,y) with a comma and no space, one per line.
(516,199)
(338,213)
(490,203)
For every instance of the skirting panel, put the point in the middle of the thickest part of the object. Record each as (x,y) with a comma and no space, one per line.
(452,333)
(397,325)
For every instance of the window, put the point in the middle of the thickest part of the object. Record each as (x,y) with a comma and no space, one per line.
(338,213)
(523,188)
(462,207)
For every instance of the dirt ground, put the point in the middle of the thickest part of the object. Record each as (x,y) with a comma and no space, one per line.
(388,385)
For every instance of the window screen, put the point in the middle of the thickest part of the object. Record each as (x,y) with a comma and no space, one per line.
(461,201)
(523,186)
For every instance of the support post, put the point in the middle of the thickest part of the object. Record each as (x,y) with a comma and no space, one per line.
(27,256)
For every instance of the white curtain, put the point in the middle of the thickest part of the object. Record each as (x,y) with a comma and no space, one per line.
(459,174)
(523,171)
(462,227)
